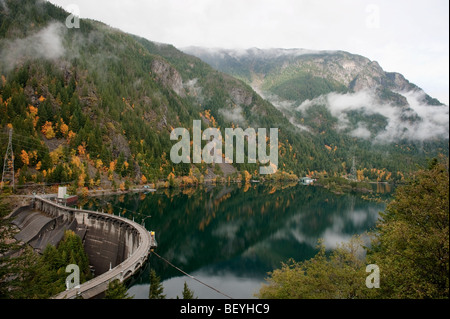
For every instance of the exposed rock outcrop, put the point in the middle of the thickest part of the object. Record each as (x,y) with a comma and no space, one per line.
(169,76)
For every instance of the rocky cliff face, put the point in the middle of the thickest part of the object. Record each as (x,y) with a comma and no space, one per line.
(241,96)
(169,76)
(349,70)
(354,93)
(118,98)
(278,71)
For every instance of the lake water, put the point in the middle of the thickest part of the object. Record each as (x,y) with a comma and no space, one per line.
(230,236)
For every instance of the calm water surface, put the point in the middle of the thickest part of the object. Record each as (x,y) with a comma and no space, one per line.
(230,236)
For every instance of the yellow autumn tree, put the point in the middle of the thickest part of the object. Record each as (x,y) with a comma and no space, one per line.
(143,179)
(64,128)
(82,149)
(70,136)
(56,155)
(76,161)
(81,178)
(360,175)
(388,176)
(47,130)
(247,177)
(98,164)
(33,111)
(112,166)
(84,192)
(25,158)
(33,155)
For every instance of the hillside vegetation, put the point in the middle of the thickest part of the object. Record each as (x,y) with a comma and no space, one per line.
(94,107)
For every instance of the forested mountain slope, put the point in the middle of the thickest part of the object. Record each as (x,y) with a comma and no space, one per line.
(95,106)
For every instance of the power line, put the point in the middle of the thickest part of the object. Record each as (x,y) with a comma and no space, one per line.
(33,142)
(16,134)
(25,144)
(23,137)
(192,277)
(22,142)
(37,185)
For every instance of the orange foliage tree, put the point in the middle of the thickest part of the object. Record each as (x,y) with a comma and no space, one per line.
(25,158)
(47,130)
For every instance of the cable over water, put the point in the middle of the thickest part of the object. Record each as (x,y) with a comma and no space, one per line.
(192,277)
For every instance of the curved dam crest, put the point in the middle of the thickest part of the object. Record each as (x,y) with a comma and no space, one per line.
(117,247)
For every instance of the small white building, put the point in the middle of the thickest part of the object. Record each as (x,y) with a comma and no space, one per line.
(306,180)
(62,192)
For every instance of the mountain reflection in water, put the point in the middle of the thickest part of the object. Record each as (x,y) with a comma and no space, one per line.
(231,236)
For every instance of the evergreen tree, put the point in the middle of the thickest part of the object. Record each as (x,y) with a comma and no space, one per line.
(117,290)
(156,288)
(15,272)
(187,292)
(40,277)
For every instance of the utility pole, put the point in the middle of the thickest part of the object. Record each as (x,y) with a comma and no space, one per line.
(8,165)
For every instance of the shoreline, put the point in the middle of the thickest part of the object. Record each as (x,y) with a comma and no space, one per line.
(21,196)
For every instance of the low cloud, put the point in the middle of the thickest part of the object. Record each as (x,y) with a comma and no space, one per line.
(46,43)
(361,131)
(194,90)
(415,122)
(234,115)
(285,106)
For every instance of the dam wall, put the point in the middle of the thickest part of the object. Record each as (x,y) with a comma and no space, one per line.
(117,247)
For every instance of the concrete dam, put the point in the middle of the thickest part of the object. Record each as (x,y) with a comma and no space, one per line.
(117,247)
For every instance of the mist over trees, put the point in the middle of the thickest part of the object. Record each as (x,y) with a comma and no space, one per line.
(99,112)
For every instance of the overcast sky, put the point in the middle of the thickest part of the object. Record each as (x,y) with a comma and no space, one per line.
(406,36)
